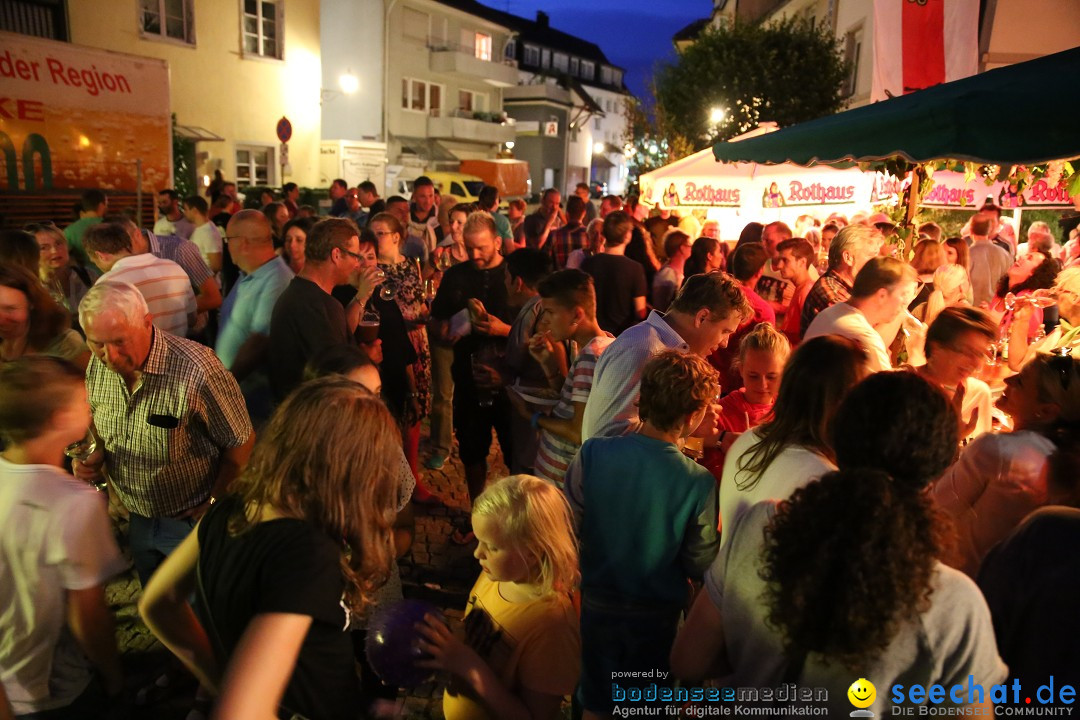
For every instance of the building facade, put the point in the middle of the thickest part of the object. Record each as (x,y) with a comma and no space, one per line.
(235,69)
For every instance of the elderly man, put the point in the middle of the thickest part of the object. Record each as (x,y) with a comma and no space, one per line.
(244,334)
(163,283)
(849,250)
(171,421)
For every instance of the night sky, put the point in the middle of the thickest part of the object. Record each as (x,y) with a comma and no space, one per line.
(634,34)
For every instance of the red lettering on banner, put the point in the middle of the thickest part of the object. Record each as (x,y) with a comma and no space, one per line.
(944,195)
(1041,191)
(708,195)
(818,193)
(18,109)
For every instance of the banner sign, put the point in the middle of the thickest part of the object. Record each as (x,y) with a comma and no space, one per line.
(73,117)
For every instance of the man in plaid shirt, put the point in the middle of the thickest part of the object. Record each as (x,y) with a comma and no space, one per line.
(172,424)
(571,236)
(850,249)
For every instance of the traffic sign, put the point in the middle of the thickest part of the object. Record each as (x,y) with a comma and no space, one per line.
(284,129)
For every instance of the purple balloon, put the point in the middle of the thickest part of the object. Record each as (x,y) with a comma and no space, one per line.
(392,642)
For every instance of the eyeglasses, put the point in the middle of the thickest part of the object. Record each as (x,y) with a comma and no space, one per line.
(358,256)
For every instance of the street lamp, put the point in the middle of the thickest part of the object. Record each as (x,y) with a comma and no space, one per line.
(598,148)
(509,144)
(716,115)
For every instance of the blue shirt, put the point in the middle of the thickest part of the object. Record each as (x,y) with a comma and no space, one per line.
(246,312)
(646,516)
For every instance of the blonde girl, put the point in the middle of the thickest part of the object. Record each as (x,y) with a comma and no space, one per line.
(762,356)
(522,648)
(279,565)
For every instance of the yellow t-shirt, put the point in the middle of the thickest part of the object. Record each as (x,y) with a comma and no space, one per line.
(534,645)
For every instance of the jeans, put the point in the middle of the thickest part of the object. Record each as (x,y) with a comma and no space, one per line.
(152,539)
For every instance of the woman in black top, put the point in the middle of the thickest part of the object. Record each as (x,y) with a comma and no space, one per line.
(281,564)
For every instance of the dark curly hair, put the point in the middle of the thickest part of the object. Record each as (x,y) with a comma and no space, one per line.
(1042,276)
(849,558)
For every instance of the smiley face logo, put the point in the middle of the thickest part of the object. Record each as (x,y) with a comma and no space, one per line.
(862,693)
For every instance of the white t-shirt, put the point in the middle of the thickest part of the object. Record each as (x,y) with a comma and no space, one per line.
(792,468)
(208,239)
(55,536)
(844,320)
(948,641)
(181,228)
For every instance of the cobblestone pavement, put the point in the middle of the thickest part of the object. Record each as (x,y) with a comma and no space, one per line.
(435,570)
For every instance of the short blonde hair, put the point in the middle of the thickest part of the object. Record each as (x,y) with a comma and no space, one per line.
(764,337)
(536,521)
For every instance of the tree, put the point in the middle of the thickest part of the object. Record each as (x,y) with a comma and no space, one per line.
(788,71)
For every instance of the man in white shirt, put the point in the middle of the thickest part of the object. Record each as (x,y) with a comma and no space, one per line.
(163,284)
(171,220)
(206,236)
(882,290)
(702,317)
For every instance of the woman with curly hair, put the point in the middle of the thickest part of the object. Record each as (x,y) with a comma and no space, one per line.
(842,581)
(33,323)
(279,566)
(1031,272)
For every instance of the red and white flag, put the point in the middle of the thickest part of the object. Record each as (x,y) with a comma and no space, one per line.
(920,43)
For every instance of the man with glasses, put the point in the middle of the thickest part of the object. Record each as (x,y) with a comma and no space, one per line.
(307,319)
(244,332)
(957,345)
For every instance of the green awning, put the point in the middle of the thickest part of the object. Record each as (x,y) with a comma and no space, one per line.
(1021,114)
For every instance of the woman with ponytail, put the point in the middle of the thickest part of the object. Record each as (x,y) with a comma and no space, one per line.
(1000,478)
(842,581)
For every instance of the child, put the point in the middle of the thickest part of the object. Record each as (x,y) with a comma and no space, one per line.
(521,651)
(760,362)
(569,313)
(56,551)
(646,517)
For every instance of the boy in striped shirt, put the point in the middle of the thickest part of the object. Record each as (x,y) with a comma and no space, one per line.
(568,299)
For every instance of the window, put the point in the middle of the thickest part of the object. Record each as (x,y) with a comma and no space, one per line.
(39,18)
(575,66)
(561,61)
(545,58)
(596,123)
(852,51)
(421,96)
(510,51)
(470,102)
(616,76)
(262,28)
(588,70)
(605,74)
(168,19)
(414,24)
(532,55)
(482,46)
(254,166)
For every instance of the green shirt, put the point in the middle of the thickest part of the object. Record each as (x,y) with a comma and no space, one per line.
(74,234)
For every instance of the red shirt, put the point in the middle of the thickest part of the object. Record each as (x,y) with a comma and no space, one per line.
(792,327)
(737,410)
(722,357)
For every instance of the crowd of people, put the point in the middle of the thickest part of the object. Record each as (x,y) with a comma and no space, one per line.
(777,459)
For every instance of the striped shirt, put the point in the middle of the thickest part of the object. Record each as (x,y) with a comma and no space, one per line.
(163,284)
(183,253)
(612,406)
(163,442)
(554,454)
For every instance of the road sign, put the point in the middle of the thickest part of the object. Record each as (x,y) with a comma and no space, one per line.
(284,129)
(284,153)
